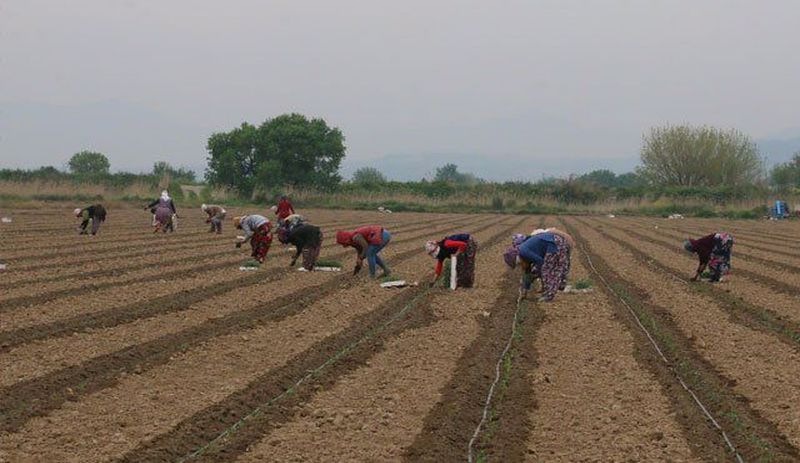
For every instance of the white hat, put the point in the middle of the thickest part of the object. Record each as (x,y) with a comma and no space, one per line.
(77,211)
(203,207)
(539,231)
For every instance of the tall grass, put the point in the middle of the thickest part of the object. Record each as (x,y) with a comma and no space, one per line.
(499,198)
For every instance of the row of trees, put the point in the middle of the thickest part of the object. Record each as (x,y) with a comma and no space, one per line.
(95,166)
(672,156)
(292,150)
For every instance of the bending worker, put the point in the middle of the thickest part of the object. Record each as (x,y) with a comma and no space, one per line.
(307,239)
(256,231)
(462,245)
(216,214)
(95,213)
(368,242)
(544,254)
(714,251)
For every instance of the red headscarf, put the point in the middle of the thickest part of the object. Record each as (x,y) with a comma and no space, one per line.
(344,238)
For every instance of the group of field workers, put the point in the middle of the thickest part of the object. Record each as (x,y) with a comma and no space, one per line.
(543,255)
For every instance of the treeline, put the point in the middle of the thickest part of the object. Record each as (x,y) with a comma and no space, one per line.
(93,168)
(594,187)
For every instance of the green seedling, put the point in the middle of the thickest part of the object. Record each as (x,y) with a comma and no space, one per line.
(328,263)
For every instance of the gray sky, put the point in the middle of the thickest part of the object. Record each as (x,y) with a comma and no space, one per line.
(549,86)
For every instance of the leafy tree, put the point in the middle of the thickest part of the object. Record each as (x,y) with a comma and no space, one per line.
(287,150)
(449,173)
(368,176)
(699,156)
(162,168)
(787,175)
(601,177)
(89,163)
(232,162)
(629,179)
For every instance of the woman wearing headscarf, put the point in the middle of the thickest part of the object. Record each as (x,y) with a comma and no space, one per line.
(368,242)
(284,209)
(256,231)
(569,243)
(544,254)
(95,213)
(164,213)
(216,214)
(306,238)
(714,252)
(465,247)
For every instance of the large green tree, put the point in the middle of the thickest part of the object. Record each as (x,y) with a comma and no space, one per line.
(368,176)
(287,150)
(163,168)
(449,173)
(89,163)
(699,156)
(787,175)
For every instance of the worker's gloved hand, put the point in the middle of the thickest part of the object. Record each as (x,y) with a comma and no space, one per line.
(291,264)
(357,268)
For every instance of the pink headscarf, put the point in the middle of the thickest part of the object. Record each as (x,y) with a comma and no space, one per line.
(432,248)
(510,256)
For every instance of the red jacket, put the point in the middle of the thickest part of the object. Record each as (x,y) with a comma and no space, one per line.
(372,233)
(450,247)
(703,247)
(285,209)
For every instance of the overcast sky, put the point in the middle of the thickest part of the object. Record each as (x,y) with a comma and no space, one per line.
(549,86)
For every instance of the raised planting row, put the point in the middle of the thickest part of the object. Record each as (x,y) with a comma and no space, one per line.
(765,301)
(744,375)
(256,336)
(106,367)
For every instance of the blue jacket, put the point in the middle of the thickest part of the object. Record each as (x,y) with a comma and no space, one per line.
(536,247)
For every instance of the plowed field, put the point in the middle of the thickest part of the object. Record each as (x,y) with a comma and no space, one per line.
(133,346)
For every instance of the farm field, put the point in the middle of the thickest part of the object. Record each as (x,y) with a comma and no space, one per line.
(131,346)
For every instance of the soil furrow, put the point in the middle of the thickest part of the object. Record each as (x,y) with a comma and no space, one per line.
(755,437)
(165,304)
(42,297)
(777,285)
(692,230)
(151,260)
(123,252)
(449,425)
(399,385)
(738,252)
(740,311)
(24,400)
(207,424)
